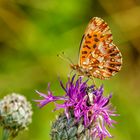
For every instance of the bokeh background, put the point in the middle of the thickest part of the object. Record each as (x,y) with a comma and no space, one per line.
(33,32)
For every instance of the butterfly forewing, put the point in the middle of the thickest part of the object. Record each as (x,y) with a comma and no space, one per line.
(98,55)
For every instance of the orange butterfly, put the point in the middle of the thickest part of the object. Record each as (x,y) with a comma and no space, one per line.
(98,57)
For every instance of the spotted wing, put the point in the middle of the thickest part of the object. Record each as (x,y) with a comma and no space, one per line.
(98,55)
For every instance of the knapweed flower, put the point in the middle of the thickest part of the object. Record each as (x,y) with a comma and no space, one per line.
(15,114)
(87,112)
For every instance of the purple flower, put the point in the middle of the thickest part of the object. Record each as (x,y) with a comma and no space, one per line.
(87,102)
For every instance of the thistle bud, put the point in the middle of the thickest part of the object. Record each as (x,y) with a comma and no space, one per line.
(15,113)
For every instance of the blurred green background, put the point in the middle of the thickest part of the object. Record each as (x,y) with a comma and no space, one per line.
(33,32)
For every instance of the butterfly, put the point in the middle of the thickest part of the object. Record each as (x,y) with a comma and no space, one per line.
(99,57)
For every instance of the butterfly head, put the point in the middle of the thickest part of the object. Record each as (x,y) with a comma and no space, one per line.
(80,70)
(77,68)
(74,67)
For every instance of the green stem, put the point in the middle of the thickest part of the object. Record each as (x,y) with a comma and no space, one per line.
(6,134)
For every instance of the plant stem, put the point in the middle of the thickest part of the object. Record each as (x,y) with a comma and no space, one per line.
(6,134)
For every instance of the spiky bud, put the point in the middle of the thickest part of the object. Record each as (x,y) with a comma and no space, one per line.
(69,129)
(15,113)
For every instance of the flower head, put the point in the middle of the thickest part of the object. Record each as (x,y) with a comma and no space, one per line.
(15,113)
(86,102)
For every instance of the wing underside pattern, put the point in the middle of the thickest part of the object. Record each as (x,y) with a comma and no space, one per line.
(98,55)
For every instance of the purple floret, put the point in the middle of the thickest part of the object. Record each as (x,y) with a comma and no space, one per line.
(87,102)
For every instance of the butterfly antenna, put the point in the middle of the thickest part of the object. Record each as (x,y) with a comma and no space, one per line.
(65,58)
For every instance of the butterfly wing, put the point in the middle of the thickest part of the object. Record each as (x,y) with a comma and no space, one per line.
(98,55)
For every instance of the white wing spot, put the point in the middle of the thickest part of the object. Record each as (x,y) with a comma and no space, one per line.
(101,48)
(94,55)
(101,67)
(100,59)
(90,68)
(86,62)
